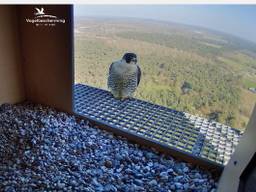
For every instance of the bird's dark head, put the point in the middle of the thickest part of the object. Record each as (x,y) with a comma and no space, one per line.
(130,58)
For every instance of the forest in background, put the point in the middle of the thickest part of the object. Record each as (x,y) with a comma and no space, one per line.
(187,68)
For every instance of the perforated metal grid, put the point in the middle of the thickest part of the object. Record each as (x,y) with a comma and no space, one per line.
(192,134)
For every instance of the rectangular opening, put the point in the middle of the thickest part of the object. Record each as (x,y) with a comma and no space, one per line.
(197,79)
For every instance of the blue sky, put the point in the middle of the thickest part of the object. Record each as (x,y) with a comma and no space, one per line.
(239,20)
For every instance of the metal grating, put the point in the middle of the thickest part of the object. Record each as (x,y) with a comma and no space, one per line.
(194,135)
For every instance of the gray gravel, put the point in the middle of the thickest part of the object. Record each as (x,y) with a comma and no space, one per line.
(45,150)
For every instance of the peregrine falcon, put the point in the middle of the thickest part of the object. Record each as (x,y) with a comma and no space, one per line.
(124,76)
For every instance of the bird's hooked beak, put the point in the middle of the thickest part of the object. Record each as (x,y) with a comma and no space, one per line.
(134,60)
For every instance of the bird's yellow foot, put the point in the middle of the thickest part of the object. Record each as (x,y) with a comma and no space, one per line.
(125,98)
(118,97)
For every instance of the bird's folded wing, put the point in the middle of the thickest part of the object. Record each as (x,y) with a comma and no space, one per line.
(138,75)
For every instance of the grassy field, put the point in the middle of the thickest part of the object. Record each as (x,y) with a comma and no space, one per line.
(218,68)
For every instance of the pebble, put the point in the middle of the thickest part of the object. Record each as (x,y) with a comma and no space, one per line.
(164,175)
(128,171)
(198,175)
(185,169)
(152,182)
(61,185)
(73,183)
(177,178)
(45,150)
(110,188)
(138,182)
(170,170)
(178,186)
(186,186)
(108,164)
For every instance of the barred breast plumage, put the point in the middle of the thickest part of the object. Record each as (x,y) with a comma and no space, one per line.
(123,79)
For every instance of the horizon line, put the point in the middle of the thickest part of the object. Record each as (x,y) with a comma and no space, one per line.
(171,22)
